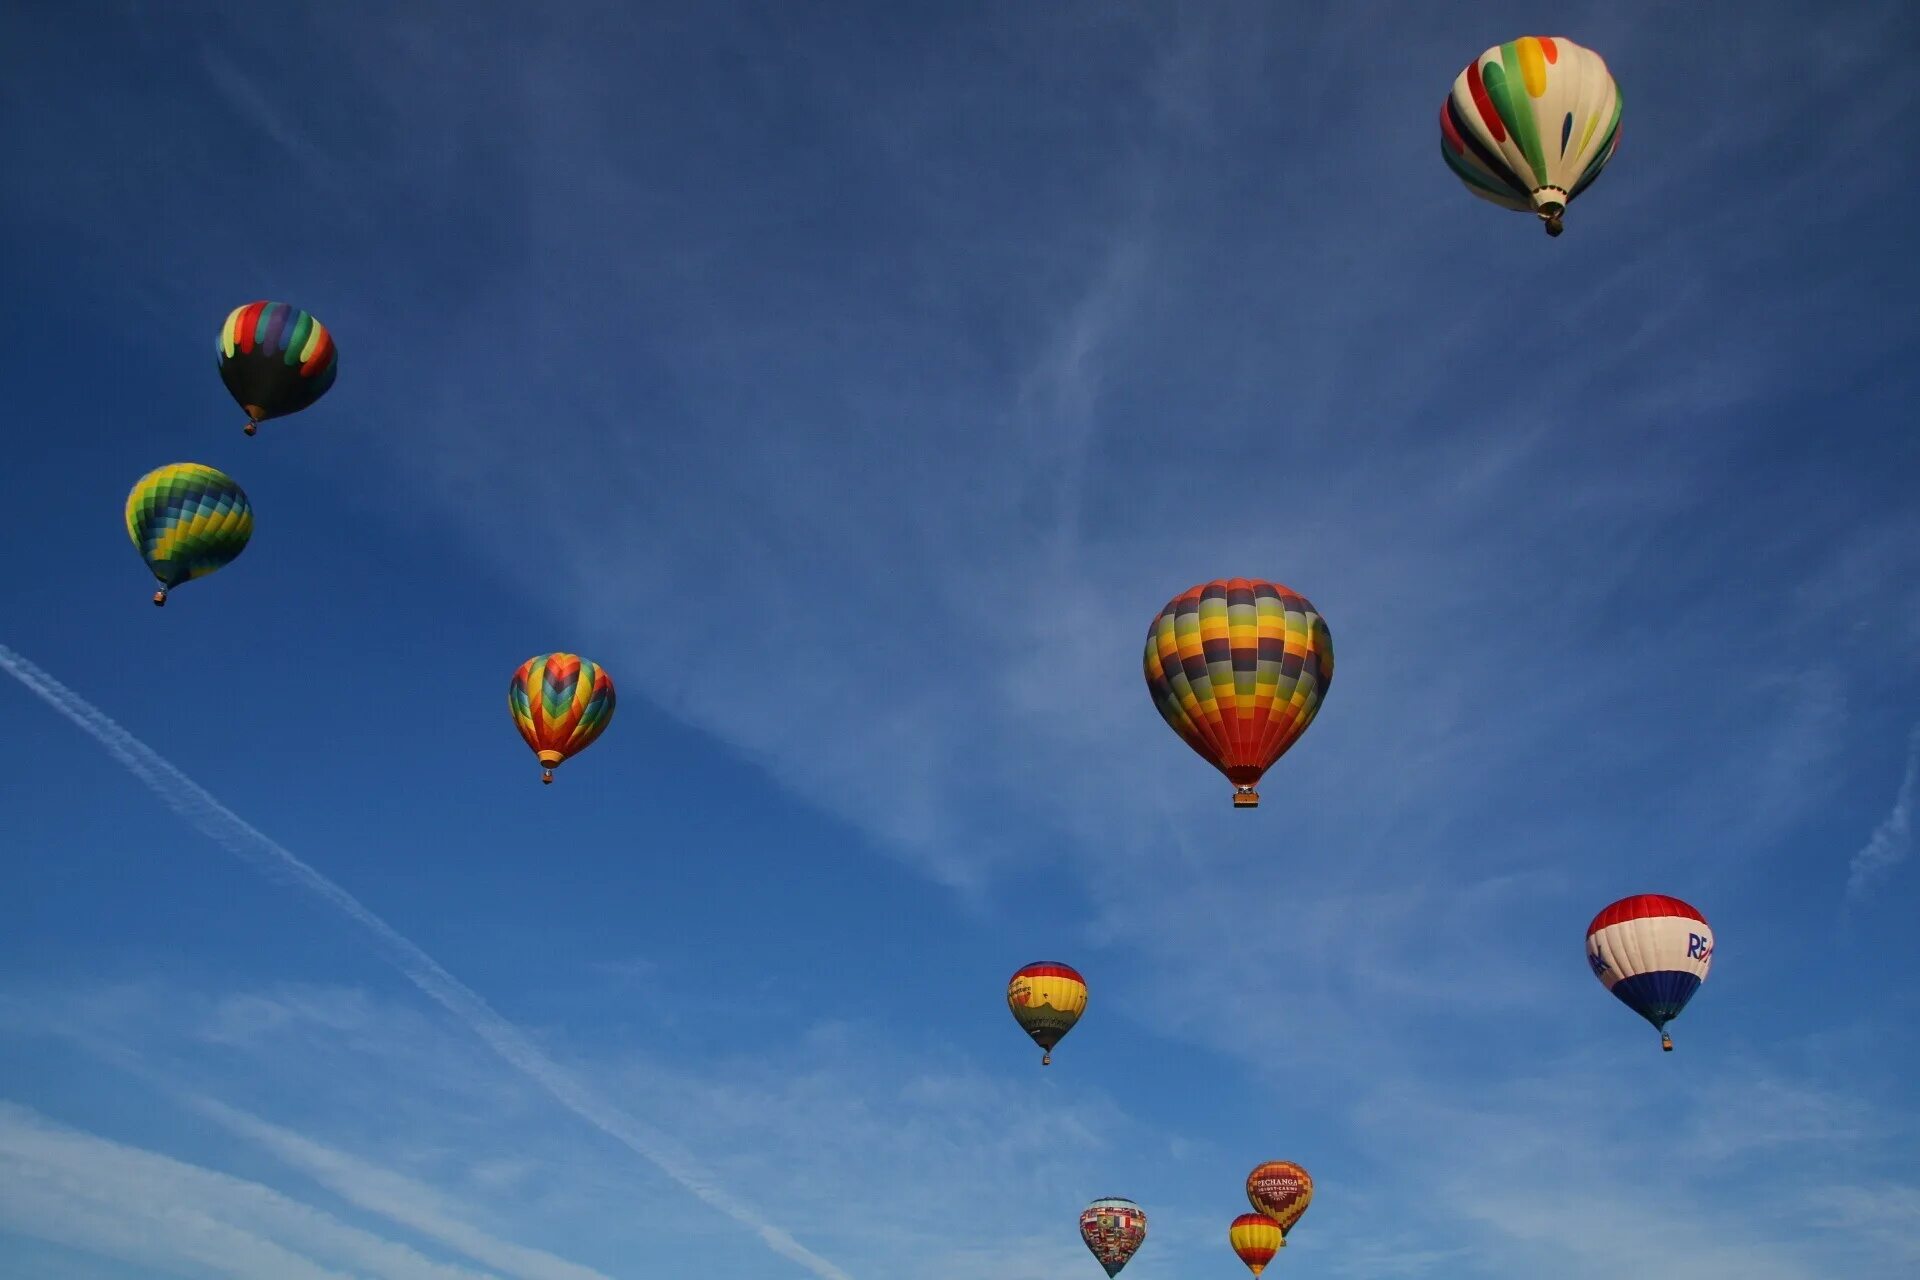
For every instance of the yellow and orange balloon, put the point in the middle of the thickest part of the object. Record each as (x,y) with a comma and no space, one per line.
(1256,1238)
(1047,998)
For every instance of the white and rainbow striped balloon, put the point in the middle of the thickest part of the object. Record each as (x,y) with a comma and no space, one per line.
(1531,123)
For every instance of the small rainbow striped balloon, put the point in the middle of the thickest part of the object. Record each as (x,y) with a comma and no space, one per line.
(186,520)
(1238,667)
(275,359)
(1652,952)
(560,702)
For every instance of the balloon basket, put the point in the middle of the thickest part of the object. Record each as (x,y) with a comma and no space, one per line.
(1246,798)
(1550,203)
(252,428)
(159,599)
(1666,1043)
(546,777)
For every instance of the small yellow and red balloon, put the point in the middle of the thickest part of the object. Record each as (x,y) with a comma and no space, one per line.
(1256,1238)
(1047,998)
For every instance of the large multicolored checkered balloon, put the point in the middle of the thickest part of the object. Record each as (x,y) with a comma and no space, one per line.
(1114,1230)
(1530,124)
(1238,668)
(1652,952)
(186,520)
(275,359)
(561,702)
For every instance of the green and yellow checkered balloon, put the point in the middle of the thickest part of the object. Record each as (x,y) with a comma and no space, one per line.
(187,520)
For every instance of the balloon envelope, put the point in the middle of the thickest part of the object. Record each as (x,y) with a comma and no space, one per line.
(1113,1229)
(1652,952)
(186,520)
(1281,1190)
(1047,998)
(1256,1238)
(1237,668)
(275,359)
(1531,123)
(560,702)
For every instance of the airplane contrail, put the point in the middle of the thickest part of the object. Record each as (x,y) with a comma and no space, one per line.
(194,803)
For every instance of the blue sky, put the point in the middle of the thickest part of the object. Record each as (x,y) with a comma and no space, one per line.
(856,382)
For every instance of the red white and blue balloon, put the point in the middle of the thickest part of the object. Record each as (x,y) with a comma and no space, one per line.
(1653,953)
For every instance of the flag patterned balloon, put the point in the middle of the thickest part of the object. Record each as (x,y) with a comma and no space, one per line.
(1256,1238)
(1047,998)
(1281,1190)
(1530,124)
(275,359)
(561,703)
(1652,952)
(187,520)
(1238,668)
(1113,1229)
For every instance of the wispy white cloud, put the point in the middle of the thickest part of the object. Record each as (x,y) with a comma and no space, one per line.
(386,1080)
(193,803)
(397,1197)
(1059,396)
(871,1140)
(1888,1215)
(1000,690)
(1891,841)
(252,106)
(992,399)
(151,1210)
(1768,1117)
(1634,1194)
(873,1137)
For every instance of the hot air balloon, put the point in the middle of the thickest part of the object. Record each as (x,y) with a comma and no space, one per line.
(1530,124)
(1256,1238)
(1113,1229)
(186,520)
(1652,952)
(1238,667)
(1281,1190)
(1047,998)
(561,702)
(275,359)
